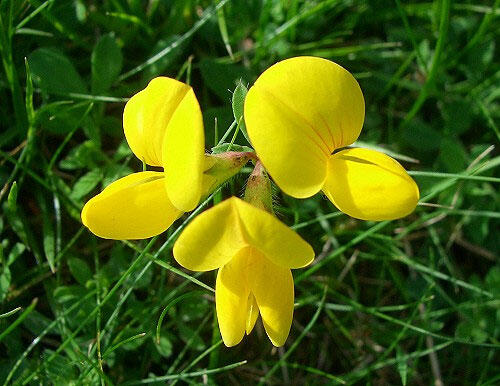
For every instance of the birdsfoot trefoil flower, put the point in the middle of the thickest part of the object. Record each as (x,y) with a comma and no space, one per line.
(164,127)
(300,115)
(254,252)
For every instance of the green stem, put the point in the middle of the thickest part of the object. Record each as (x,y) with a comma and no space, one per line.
(11,75)
(436,59)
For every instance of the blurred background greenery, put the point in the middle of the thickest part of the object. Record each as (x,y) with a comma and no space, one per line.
(413,301)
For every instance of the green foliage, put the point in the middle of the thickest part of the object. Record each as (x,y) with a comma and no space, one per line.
(54,73)
(80,270)
(413,301)
(106,64)
(238,102)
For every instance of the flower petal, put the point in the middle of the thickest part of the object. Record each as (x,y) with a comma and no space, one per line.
(133,207)
(231,296)
(295,160)
(211,239)
(216,235)
(272,287)
(183,153)
(147,114)
(370,185)
(296,114)
(274,239)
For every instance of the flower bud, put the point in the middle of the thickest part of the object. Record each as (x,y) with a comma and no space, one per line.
(258,191)
(219,168)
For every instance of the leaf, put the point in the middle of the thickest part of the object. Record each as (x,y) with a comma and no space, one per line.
(402,365)
(132,344)
(122,151)
(49,242)
(12,198)
(471,331)
(421,136)
(63,118)
(90,128)
(165,348)
(113,172)
(70,206)
(452,155)
(112,126)
(29,94)
(188,334)
(60,371)
(68,294)
(80,11)
(193,308)
(15,252)
(80,270)
(116,265)
(85,155)
(86,183)
(54,73)
(480,57)
(5,278)
(106,63)
(36,322)
(238,102)
(457,116)
(493,280)
(16,218)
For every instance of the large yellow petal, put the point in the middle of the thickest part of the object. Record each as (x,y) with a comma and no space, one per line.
(370,185)
(133,207)
(231,296)
(211,239)
(216,235)
(147,115)
(274,239)
(183,154)
(272,287)
(298,111)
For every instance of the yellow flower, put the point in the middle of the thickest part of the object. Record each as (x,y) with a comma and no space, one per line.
(299,115)
(164,127)
(254,252)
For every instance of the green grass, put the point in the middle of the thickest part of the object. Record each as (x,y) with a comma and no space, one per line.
(411,301)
